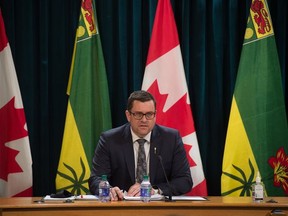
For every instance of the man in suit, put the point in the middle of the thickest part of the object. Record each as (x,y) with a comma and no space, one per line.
(116,154)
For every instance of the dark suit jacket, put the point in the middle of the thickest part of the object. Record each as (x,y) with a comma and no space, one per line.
(114,157)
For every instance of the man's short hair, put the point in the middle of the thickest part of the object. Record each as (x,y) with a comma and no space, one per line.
(140,95)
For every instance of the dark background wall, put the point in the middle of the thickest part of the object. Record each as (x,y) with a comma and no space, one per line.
(41,35)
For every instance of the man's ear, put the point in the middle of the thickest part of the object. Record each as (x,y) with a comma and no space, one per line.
(128,116)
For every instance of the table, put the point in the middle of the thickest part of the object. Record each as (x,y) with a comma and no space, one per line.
(214,206)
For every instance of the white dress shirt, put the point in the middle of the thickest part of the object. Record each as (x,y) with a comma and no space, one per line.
(136,148)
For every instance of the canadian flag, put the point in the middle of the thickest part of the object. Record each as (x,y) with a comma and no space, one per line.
(15,155)
(164,77)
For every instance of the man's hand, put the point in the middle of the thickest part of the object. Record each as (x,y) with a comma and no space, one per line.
(116,194)
(134,190)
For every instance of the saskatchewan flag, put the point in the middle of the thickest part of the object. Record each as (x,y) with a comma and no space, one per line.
(257,135)
(88,111)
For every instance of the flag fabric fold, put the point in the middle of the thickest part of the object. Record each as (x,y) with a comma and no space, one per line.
(257,134)
(88,110)
(164,78)
(15,156)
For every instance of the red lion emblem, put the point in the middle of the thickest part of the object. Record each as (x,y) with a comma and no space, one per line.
(87,6)
(261,17)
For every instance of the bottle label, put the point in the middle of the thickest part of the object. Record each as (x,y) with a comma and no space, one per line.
(145,192)
(259,193)
(104,191)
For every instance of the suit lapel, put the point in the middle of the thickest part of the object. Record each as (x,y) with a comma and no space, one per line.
(155,150)
(129,152)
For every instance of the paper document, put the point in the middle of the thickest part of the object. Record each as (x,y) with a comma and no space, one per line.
(153,197)
(189,198)
(87,197)
(49,198)
(79,197)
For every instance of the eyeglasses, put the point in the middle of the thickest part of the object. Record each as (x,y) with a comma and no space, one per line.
(139,115)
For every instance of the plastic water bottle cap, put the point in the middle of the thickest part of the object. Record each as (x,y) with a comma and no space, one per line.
(104,177)
(145,177)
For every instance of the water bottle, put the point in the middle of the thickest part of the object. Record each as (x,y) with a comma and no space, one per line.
(145,191)
(104,189)
(258,189)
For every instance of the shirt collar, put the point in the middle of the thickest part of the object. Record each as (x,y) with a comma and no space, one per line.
(135,137)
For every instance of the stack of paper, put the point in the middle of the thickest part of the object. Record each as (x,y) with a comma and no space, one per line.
(72,198)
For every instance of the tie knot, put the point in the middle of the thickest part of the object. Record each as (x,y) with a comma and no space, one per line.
(141,141)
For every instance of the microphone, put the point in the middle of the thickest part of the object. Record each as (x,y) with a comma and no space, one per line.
(168,183)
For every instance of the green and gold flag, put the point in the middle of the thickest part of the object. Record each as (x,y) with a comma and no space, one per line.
(88,111)
(257,135)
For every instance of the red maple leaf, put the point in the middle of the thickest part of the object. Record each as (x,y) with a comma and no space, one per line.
(12,122)
(178,116)
(189,158)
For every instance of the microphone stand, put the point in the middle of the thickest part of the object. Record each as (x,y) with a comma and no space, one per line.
(170,189)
